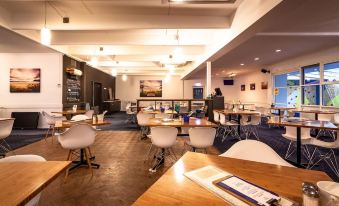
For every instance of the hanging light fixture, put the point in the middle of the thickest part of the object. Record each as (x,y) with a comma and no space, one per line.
(124,77)
(45,33)
(114,72)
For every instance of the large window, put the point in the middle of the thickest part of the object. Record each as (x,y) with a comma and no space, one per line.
(287,90)
(331,84)
(311,85)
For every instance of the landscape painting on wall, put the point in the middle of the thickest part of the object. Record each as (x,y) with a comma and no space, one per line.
(24,80)
(150,88)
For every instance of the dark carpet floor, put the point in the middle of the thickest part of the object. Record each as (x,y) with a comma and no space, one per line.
(119,122)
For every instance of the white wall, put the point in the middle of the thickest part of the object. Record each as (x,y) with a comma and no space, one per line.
(257,96)
(176,88)
(130,90)
(50,96)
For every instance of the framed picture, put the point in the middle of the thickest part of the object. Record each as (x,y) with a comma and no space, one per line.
(264,85)
(252,86)
(243,87)
(150,88)
(24,80)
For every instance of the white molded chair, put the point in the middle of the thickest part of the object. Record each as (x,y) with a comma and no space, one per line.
(229,127)
(291,134)
(78,137)
(329,156)
(201,138)
(325,117)
(143,120)
(130,114)
(256,151)
(89,114)
(51,120)
(163,138)
(26,158)
(250,126)
(5,130)
(80,117)
(216,116)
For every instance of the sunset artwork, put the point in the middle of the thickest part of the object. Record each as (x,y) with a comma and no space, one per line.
(24,80)
(150,88)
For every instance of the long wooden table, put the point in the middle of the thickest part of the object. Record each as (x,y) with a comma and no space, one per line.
(69,113)
(315,112)
(68,123)
(312,124)
(173,188)
(5,118)
(22,181)
(158,112)
(279,109)
(194,122)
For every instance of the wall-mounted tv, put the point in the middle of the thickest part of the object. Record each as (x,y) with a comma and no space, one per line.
(228,81)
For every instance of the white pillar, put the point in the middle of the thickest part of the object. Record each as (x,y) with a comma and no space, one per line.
(208,79)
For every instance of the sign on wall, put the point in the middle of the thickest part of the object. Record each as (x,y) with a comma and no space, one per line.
(24,80)
(150,88)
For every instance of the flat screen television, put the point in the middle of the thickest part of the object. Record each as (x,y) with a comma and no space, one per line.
(228,82)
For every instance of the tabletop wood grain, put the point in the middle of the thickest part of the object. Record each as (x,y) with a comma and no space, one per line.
(70,112)
(4,119)
(69,123)
(21,181)
(193,122)
(173,188)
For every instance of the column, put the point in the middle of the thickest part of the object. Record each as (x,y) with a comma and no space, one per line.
(208,79)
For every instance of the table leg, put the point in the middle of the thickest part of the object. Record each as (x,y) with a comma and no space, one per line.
(299,146)
(316,130)
(83,162)
(239,130)
(279,112)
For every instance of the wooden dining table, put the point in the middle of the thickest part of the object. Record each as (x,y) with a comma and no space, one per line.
(158,112)
(173,188)
(70,113)
(69,123)
(5,118)
(315,112)
(301,123)
(22,181)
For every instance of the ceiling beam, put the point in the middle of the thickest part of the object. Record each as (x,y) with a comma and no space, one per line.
(127,21)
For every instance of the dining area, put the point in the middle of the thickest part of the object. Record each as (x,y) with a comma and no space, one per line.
(169,102)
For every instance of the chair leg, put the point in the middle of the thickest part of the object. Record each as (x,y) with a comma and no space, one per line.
(149,152)
(53,133)
(88,160)
(68,159)
(49,128)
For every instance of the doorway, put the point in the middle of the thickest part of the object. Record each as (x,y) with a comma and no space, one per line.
(97,96)
(198,93)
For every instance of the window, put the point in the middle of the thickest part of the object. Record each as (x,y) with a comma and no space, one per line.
(331,72)
(311,86)
(287,89)
(311,74)
(331,84)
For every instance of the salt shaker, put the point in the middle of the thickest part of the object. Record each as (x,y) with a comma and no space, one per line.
(310,194)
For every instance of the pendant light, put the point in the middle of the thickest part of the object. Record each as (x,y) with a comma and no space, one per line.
(45,33)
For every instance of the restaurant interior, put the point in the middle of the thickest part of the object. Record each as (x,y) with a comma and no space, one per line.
(169,102)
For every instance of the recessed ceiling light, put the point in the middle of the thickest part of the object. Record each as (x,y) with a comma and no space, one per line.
(256,59)
(242,64)
(217,74)
(278,50)
(223,70)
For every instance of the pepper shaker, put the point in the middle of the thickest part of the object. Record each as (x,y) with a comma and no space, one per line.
(310,194)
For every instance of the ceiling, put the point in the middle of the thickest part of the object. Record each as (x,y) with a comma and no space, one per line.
(295,27)
(136,37)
